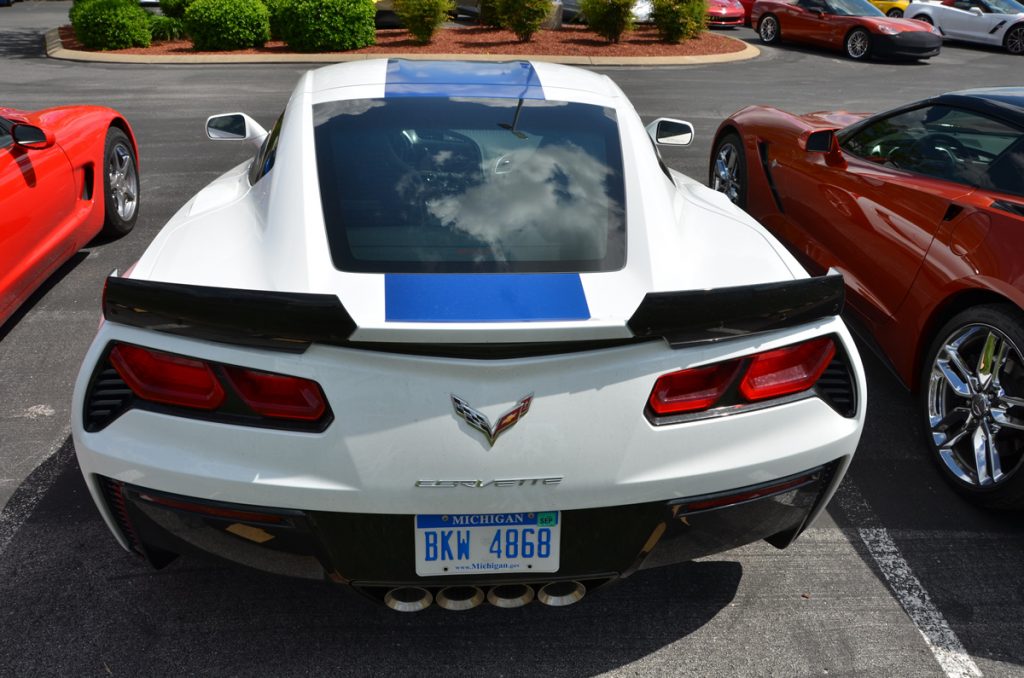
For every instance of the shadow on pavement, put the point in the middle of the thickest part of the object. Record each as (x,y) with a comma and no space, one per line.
(74,602)
(21,43)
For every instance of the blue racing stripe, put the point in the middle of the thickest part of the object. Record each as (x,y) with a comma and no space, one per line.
(502,80)
(476,298)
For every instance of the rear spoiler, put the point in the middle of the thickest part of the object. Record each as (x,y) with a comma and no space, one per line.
(291,321)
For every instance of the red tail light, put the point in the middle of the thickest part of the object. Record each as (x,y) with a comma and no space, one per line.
(169,379)
(691,390)
(278,395)
(771,374)
(787,370)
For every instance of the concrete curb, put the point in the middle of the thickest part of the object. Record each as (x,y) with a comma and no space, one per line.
(55,49)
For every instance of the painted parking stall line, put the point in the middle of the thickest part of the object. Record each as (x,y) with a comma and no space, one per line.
(940,638)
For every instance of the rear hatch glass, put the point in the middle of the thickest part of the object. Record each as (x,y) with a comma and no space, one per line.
(459,185)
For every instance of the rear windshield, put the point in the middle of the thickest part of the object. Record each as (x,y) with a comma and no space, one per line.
(449,185)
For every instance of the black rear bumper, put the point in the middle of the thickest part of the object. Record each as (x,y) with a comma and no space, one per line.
(374,552)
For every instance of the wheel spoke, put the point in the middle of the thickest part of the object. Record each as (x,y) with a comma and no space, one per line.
(956,372)
(1004,420)
(1010,401)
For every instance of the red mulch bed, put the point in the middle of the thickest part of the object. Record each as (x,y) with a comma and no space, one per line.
(570,40)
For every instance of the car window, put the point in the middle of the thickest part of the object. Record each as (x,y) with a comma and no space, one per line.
(265,157)
(938,141)
(853,8)
(449,185)
(5,134)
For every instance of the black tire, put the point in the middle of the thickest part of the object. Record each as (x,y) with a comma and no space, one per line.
(857,44)
(728,171)
(895,13)
(1013,41)
(925,18)
(966,403)
(768,29)
(120,184)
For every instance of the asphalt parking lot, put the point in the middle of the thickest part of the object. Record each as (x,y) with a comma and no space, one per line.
(899,578)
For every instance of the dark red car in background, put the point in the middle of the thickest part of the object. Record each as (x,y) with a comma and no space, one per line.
(854,27)
(65,175)
(922,210)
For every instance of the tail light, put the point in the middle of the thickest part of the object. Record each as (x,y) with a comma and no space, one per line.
(223,392)
(771,374)
(278,395)
(169,379)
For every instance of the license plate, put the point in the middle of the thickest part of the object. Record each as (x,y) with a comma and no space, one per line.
(487,543)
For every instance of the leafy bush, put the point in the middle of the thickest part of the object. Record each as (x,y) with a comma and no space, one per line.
(679,20)
(174,8)
(165,27)
(489,14)
(523,17)
(278,13)
(423,17)
(110,24)
(322,25)
(227,24)
(608,18)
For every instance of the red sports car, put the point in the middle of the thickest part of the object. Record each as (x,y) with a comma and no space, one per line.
(725,13)
(855,27)
(65,174)
(922,210)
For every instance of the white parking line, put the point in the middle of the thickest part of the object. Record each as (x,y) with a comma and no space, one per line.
(20,506)
(937,634)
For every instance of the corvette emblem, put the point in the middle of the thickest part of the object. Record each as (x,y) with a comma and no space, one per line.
(481,423)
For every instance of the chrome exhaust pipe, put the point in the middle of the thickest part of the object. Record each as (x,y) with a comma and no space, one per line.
(457,598)
(408,599)
(561,593)
(510,595)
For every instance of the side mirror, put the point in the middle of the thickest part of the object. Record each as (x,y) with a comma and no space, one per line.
(822,141)
(30,136)
(234,127)
(669,132)
(976,11)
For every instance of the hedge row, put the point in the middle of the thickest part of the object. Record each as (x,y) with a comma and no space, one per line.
(326,25)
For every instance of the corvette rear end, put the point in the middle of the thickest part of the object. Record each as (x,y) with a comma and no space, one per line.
(463,339)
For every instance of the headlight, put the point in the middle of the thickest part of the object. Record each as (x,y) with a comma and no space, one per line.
(887,29)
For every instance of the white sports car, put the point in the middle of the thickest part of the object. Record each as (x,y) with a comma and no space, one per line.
(457,334)
(988,22)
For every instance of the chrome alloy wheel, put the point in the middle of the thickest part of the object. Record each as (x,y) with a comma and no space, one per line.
(1015,40)
(975,405)
(769,29)
(858,44)
(726,178)
(123,181)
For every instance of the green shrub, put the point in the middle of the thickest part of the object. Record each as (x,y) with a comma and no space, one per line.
(608,18)
(174,8)
(523,17)
(489,14)
(278,12)
(110,24)
(423,17)
(227,24)
(322,25)
(165,28)
(679,20)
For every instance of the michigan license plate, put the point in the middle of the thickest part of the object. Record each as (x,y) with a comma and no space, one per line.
(486,543)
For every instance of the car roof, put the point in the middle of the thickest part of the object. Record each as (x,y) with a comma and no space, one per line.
(481,79)
(1003,102)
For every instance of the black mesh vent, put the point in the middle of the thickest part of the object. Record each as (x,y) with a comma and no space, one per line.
(107,399)
(836,385)
(113,492)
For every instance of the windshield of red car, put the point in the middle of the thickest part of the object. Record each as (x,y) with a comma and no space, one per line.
(854,8)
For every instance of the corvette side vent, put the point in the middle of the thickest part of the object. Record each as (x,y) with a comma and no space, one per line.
(836,386)
(113,492)
(108,398)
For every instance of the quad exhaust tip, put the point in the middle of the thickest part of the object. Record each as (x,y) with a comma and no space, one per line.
(561,593)
(408,599)
(510,595)
(458,598)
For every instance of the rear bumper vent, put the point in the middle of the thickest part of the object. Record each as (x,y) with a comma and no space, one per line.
(836,386)
(108,398)
(113,493)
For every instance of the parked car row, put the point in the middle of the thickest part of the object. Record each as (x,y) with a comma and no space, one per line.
(863,29)
(455,333)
